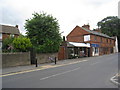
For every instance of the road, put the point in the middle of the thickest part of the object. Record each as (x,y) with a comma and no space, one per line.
(93,72)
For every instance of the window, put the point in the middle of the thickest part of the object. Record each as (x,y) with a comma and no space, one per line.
(12,35)
(0,35)
(101,39)
(95,38)
(107,40)
(0,46)
(87,38)
(110,41)
(111,50)
(96,50)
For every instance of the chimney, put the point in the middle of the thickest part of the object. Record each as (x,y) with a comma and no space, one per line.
(16,26)
(63,38)
(97,30)
(86,26)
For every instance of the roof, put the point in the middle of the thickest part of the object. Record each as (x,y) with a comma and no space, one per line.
(97,33)
(9,29)
(76,44)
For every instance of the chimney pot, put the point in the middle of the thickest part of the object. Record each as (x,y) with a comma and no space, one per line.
(16,26)
(63,38)
(97,30)
(86,26)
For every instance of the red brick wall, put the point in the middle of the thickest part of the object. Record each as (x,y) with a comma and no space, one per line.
(76,35)
(4,35)
(61,53)
(105,45)
(105,41)
(75,39)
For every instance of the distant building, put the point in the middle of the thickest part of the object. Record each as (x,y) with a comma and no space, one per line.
(8,31)
(82,41)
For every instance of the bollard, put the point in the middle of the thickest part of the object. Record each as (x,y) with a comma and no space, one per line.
(55,60)
(36,62)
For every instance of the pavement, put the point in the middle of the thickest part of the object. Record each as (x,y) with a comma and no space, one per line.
(93,72)
(10,70)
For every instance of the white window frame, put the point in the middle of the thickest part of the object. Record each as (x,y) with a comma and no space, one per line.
(86,38)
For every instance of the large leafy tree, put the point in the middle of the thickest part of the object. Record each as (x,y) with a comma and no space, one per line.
(111,26)
(43,31)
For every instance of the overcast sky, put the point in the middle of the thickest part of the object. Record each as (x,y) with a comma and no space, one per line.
(69,13)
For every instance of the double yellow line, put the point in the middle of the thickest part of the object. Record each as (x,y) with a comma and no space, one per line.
(41,68)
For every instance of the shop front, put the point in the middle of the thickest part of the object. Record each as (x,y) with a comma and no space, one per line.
(77,50)
(95,49)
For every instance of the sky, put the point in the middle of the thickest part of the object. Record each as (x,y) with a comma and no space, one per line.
(69,13)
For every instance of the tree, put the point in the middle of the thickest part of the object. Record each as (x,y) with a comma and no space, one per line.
(7,44)
(110,26)
(22,43)
(43,31)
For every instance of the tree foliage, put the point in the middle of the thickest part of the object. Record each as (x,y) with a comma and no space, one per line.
(111,26)
(43,31)
(7,43)
(22,44)
(12,44)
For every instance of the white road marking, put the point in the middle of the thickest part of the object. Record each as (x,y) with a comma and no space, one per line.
(113,80)
(26,71)
(59,74)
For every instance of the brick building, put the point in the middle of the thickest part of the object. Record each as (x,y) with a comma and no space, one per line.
(97,43)
(8,31)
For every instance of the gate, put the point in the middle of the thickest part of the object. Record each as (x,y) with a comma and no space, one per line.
(32,56)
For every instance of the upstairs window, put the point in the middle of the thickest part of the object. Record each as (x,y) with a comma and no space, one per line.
(86,38)
(95,38)
(107,40)
(12,35)
(110,41)
(101,39)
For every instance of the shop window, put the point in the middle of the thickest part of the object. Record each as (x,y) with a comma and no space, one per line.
(96,50)
(0,46)
(111,50)
(101,49)
(0,35)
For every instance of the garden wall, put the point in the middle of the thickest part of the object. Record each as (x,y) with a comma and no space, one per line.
(15,59)
(23,58)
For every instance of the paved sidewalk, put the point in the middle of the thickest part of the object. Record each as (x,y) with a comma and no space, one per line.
(31,67)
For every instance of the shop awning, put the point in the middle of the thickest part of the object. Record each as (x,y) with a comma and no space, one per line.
(78,44)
